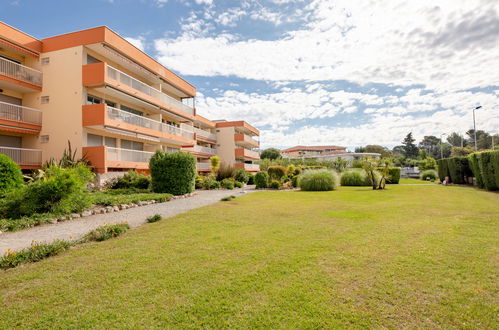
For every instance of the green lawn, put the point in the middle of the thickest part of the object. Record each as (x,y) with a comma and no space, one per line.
(410,256)
(415,181)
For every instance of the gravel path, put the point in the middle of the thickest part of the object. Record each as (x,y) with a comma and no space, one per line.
(78,227)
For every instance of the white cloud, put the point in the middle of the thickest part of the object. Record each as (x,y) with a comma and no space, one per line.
(137,42)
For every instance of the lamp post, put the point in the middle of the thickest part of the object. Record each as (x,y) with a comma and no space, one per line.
(441,145)
(474,126)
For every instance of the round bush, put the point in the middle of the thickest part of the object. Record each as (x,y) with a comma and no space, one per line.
(275,184)
(10,174)
(251,178)
(173,173)
(261,180)
(318,180)
(241,175)
(276,172)
(238,184)
(132,179)
(428,175)
(227,184)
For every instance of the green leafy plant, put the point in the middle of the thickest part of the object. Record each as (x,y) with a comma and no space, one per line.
(210,183)
(154,218)
(430,175)
(275,184)
(251,179)
(227,184)
(214,164)
(112,198)
(132,179)
(318,180)
(241,175)
(11,176)
(228,198)
(106,232)
(276,172)
(36,252)
(238,184)
(261,180)
(173,173)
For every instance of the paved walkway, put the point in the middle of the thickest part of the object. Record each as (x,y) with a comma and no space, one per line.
(78,227)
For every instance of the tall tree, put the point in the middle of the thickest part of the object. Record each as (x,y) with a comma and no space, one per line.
(270,153)
(410,149)
(385,152)
(430,145)
(456,140)
(483,139)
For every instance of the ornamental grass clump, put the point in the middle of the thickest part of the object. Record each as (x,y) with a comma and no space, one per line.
(430,175)
(318,180)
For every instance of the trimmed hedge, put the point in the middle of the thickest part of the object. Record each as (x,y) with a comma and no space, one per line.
(10,174)
(456,168)
(173,173)
(485,168)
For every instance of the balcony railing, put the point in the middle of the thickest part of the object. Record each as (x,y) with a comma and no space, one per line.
(20,72)
(26,157)
(252,167)
(201,149)
(146,89)
(203,167)
(133,119)
(18,113)
(251,153)
(205,134)
(126,155)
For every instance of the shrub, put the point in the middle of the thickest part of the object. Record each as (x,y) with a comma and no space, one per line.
(318,180)
(214,164)
(173,173)
(456,168)
(10,174)
(111,198)
(485,167)
(238,184)
(393,175)
(290,170)
(198,182)
(429,175)
(275,184)
(251,178)
(356,164)
(225,172)
(227,184)
(106,232)
(276,172)
(210,183)
(154,218)
(241,176)
(261,180)
(36,252)
(132,179)
(352,178)
(228,198)
(61,191)
(294,181)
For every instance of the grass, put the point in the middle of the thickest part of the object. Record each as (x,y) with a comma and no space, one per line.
(406,257)
(415,181)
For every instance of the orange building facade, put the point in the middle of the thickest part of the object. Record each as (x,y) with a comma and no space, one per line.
(111,101)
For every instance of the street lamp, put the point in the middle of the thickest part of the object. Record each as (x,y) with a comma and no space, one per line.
(441,145)
(474,126)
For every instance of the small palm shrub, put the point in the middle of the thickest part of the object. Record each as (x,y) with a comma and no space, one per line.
(276,172)
(429,175)
(318,180)
(106,232)
(173,173)
(227,184)
(132,179)
(241,175)
(10,174)
(261,180)
(225,171)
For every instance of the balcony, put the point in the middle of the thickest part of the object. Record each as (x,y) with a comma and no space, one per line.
(18,77)
(102,158)
(242,153)
(203,167)
(20,119)
(101,115)
(205,135)
(100,74)
(246,140)
(202,151)
(25,158)
(249,167)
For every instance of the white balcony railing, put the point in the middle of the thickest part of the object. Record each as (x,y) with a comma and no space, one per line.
(251,153)
(133,119)
(203,166)
(18,113)
(201,149)
(204,133)
(29,157)
(20,72)
(126,155)
(252,167)
(146,89)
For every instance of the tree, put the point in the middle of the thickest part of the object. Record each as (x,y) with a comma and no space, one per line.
(398,150)
(456,140)
(270,153)
(483,139)
(460,152)
(444,149)
(430,145)
(410,149)
(374,148)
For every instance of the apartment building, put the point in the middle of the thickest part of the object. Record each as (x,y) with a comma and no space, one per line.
(111,101)
(236,143)
(312,151)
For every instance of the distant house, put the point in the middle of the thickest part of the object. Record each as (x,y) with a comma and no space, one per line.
(328,153)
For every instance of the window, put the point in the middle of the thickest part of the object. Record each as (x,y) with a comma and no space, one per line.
(110,142)
(110,103)
(128,109)
(94,140)
(10,59)
(44,100)
(92,60)
(132,145)
(170,149)
(10,141)
(93,99)
(45,60)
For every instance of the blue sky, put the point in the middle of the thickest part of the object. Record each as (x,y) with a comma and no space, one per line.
(310,71)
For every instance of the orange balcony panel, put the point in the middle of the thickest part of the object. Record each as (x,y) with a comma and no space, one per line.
(94,74)
(97,157)
(242,153)
(246,140)
(102,158)
(19,127)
